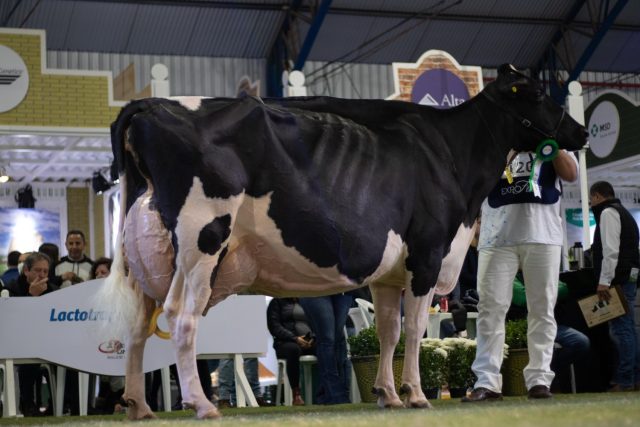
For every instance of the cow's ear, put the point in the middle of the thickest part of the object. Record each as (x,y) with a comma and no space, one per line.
(514,83)
(529,88)
(506,69)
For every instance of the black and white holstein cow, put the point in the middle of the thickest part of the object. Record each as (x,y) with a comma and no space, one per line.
(307,197)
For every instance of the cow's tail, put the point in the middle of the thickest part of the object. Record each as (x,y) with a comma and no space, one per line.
(120,127)
(120,296)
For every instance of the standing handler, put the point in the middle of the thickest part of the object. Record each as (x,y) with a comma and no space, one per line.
(521,229)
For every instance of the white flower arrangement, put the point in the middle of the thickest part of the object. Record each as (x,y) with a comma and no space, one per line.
(448,361)
(433,363)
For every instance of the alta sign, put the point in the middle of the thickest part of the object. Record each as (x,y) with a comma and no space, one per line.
(440,89)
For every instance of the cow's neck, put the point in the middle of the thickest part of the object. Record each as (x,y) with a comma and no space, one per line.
(480,135)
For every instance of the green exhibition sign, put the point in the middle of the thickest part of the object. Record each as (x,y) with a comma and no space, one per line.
(574,217)
(613,122)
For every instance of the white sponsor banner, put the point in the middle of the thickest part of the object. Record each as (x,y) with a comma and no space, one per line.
(62,327)
(604,129)
(14,79)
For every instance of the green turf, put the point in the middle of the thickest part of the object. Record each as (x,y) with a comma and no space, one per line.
(582,410)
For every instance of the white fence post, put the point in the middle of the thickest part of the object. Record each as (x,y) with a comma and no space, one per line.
(575,103)
(159,83)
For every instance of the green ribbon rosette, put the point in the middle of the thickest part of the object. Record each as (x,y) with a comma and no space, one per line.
(546,151)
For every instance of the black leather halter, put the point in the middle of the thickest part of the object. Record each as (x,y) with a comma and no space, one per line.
(526,122)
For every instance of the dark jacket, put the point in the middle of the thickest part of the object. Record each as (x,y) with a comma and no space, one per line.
(280,320)
(9,275)
(20,287)
(628,257)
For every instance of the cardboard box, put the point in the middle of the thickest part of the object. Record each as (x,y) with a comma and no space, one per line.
(596,312)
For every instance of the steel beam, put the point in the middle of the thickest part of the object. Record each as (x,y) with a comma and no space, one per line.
(593,44)
(548,60)
(278,55)
(551,58)
(312,34)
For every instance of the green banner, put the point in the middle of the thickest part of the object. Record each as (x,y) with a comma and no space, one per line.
(613,122)
(574,217)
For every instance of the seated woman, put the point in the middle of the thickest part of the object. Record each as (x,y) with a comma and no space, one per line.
(101,268)
(291,338)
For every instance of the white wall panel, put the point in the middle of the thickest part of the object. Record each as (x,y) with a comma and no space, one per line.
(188,75)
(218,76)
(360,81)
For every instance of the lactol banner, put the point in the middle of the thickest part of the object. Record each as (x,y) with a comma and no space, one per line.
(63,327)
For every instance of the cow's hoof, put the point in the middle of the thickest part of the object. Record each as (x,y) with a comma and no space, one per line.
(391,404)
(386,401)
(135,415)
(138,412)
(419,404)
(412,399)
(210,414)
(144,416)
(203,412)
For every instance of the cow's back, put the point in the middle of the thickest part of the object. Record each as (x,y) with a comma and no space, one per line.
(321,185)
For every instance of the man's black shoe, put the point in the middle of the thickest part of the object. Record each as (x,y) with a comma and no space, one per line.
(482,394)
(540,392)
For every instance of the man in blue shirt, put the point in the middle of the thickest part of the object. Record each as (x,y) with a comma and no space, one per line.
(11,273)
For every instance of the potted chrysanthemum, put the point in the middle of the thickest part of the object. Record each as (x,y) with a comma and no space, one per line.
(516,358)
(365,357)
(460,355)
(433,367)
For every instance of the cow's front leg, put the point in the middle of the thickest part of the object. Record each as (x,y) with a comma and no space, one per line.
(386,300)
(184,306)
(134,395)
(416,315)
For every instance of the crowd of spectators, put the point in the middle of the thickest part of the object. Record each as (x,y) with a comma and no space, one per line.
(37,273)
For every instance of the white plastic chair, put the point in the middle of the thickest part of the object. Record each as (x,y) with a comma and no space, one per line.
(283,384)
(306,363)
(359,320)
(433,325)
(572,371)
(367,310)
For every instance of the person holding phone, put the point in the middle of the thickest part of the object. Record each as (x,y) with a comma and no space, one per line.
(292,338)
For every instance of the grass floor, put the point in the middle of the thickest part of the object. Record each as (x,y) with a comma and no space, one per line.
(581,410)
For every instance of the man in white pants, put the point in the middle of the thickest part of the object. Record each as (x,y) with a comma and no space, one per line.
(521,229)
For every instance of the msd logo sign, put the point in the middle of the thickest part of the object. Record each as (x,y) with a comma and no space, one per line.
(604,129)
(14,79)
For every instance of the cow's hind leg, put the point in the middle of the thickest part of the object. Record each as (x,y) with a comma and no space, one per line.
(134,395)
(386,300)
(416,315)
(185,303)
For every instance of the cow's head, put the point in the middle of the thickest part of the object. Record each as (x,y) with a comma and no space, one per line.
(539,115)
